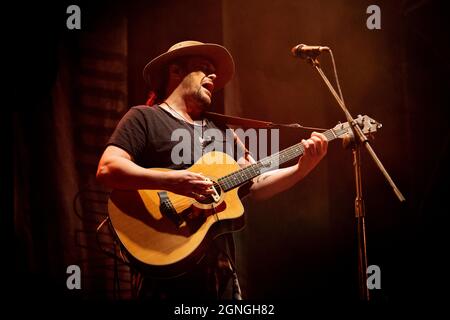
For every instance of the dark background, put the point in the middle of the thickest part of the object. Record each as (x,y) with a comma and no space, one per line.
(70,87)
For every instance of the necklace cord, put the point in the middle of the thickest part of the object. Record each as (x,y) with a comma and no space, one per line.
(193,123)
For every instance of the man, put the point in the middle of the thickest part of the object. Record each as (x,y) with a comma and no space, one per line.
(184,79)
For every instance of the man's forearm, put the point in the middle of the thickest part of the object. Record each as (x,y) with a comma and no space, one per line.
(270,183)
(120,173)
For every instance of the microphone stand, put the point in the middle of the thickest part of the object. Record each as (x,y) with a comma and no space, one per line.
(359,139)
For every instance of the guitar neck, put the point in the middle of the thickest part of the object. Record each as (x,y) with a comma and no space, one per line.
(269,163)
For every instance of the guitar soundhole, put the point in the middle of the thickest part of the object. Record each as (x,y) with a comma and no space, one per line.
(209,199)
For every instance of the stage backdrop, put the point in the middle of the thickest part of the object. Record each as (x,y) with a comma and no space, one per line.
(298,245)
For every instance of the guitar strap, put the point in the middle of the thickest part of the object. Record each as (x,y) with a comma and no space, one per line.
(238,121)
(252,123)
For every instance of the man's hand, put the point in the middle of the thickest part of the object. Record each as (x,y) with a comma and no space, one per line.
(189,184)
(315,149)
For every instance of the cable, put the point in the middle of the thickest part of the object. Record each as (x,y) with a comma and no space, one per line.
(336,76)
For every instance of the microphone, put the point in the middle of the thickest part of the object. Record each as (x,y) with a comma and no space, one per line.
(303,51)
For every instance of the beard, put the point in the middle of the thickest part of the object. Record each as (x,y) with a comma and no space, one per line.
(203,97)
(197,103)
(200,99)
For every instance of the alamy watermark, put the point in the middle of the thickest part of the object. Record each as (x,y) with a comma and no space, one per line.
(373,277)
(74,19)
(74,279)
(374,20)
(216,140)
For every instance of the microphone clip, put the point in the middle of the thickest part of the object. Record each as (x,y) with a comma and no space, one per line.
(308,52)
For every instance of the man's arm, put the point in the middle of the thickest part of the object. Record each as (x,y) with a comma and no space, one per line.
(117,170)
(270,183)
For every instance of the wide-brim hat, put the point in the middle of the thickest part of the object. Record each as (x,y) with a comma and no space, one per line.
(218,55)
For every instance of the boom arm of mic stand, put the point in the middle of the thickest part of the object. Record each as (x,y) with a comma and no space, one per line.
(357,130)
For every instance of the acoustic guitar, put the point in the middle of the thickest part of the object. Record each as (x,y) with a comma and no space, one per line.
(167,233)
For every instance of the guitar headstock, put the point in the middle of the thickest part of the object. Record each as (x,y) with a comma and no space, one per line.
(368,126)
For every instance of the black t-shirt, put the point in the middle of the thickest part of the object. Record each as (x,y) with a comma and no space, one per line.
(155,138)
(149,135)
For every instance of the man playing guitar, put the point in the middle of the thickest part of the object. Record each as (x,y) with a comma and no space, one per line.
(183,81)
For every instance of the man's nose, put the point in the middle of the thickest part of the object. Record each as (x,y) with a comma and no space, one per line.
(212,76)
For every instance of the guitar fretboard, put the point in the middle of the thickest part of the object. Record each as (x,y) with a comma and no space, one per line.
(269,163)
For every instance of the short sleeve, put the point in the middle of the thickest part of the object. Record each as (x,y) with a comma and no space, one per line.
(131,133)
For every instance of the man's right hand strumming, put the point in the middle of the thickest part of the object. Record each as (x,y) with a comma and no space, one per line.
(189,184)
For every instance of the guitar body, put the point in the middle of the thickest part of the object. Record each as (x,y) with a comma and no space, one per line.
(167,244)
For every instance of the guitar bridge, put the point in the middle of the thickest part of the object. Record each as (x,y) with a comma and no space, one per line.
(167,209)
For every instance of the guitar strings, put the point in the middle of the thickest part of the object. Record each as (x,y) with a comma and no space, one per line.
(225,181)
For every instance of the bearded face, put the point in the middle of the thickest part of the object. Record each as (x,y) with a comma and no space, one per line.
(198,82)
